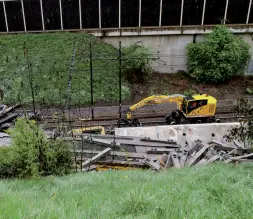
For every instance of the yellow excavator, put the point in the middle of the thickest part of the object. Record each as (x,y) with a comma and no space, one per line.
(200,108)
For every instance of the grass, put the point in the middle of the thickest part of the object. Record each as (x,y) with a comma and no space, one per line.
(214,191)
(50,58)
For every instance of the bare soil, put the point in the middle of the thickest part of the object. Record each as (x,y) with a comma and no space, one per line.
(180,83)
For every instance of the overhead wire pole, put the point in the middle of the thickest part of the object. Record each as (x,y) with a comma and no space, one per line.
(226,11)
(91,84)
(5,17)
(139,13)
(42,15)
(161,11)
(120,79)
(80,15)
(249,10)
(61,14)
(203,14)
(182,12)
(99,13)
(23,13)
(119,13)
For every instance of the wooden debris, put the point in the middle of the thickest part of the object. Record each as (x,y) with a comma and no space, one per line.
(175,160)
(152,164)
(198,154)
(97,157)
(183,158)
(158,155)
(201,162)
(169,161)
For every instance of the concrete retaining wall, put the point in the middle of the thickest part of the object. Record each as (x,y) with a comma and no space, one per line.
(181,133)
(171,49)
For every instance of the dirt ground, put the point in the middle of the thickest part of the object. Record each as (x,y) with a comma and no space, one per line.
(180,83)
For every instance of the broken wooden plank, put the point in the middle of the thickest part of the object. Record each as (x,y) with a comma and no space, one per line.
(227,161)
(237,144)
(159,151)
(175,160)
(183,158)
(91,168)
(152,164)
(169,161)
(198,154)
(114,153)
(201,162)
(194,148)
(158,141)
(241,157)
(212,159)
(122,163)
(163,159)
(97,157)
(150,145)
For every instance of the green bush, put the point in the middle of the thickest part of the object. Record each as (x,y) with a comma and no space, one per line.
(219,57)
(189,92)
(136,63)
(32,154)
(6,162)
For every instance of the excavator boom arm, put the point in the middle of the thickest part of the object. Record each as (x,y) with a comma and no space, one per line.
(156,99)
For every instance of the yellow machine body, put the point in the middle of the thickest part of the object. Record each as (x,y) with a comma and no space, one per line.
(92,129)
(201,107)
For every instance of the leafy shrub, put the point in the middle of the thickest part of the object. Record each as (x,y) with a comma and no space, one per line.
(219,57)
(6,162)
(249,91)
(189,92)
(243,132)
(32,154)
(136,63)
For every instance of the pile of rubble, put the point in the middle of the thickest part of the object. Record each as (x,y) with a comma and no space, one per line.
(202,154)
(98,152)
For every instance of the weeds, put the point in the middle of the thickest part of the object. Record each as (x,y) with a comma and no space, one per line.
(212,191)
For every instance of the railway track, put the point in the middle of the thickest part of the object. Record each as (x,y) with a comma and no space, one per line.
(110,122)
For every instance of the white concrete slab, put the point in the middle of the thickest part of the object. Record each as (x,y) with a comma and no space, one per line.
(181,133)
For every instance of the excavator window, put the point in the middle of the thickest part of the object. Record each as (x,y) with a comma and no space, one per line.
(192,105)
(184,107)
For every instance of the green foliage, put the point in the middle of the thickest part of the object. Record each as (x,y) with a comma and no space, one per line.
(47,58)
(249,91)
(189,92)
(219,57)
(32,154)
(136,63)
(206,192)
(6,162)
(243,132)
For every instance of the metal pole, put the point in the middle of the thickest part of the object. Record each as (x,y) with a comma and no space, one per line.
(161,11)
(250,3)
(23,12)
(120,79)
(61,14)
(5,16)
(80,14)
(139,13)
(91,84)
(99,13)
(42,15)
(226,11)
(119,13)
(182,11)
(203,14)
